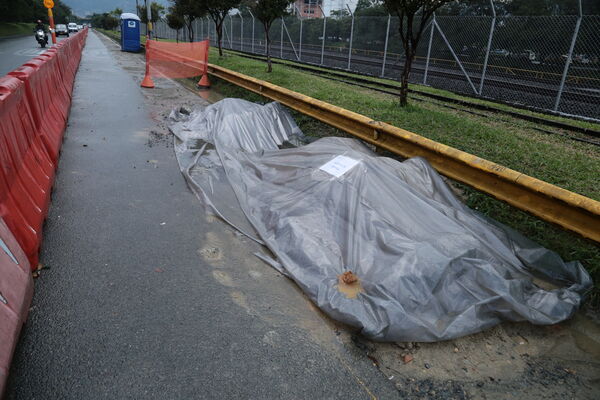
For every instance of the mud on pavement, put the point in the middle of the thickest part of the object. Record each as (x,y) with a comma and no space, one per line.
(512,360)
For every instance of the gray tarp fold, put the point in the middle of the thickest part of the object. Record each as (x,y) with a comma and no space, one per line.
(428,267)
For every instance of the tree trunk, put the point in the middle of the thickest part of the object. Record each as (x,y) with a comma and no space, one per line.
(190,29)
(409,53)
(219,26)
(404,78)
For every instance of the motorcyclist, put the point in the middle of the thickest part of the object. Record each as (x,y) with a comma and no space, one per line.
(40,26)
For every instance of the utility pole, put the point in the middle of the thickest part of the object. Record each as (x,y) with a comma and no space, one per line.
(49,4)
(149,17)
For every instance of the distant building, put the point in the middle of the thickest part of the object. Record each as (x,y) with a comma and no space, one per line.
(308,8)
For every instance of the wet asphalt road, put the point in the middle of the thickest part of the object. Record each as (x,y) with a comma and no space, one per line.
(128,308)
(14,52)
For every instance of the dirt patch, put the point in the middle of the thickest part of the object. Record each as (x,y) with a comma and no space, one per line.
(512,360)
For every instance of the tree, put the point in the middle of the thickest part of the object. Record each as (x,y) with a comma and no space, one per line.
(341,13)
(370,8)
(267,11)
(32,10)
(363,5)
(104,21)
(217,10)
(188,11)
(109,21)
(117,12)
(156,12)
(175,21)
(413,15)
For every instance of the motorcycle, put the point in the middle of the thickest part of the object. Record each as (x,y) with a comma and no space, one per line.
(41,38)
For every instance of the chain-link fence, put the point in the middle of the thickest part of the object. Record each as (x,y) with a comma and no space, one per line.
(549,63)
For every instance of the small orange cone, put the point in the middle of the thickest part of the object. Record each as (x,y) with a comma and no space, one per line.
(148,82)
(204,82)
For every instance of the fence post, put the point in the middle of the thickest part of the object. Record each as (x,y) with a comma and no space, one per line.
(231,30)
(290,38)
(252,15)
(208,30)
(569,60)
(241,32)
(387,36)
(324,33)
(281,41)
(300,45)
(489,47)
(351,37)
(462,68)
(429,51)
(226,35)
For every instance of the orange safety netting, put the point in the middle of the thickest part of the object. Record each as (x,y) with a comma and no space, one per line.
(176,60)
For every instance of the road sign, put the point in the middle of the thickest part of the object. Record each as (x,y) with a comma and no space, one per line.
(49,3)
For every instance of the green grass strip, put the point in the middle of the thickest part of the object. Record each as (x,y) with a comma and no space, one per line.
(15,28)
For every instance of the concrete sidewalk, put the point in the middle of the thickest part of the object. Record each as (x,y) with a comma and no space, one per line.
(146,297)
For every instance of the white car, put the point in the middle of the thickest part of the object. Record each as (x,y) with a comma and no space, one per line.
(61,29)
(79,27)
(73,27)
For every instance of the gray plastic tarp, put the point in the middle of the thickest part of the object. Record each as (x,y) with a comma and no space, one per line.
(429,268)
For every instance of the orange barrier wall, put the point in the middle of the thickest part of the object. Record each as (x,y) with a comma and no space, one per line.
(34,107)
(35,100)
(16,290)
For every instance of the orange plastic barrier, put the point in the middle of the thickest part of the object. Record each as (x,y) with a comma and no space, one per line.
(34,107)
(176,60)
(16,290)
(27,169)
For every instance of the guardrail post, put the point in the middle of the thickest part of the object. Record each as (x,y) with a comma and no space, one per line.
(387,37)
(324,33)
(429,50)
(489,47)
(568,60)
(351,37)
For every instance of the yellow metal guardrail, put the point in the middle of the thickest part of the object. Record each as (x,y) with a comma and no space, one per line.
(569,210)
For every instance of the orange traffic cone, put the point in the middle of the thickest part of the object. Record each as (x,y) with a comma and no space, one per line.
(204,82)
(147,82)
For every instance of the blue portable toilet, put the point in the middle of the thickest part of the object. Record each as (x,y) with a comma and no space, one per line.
(130,32)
